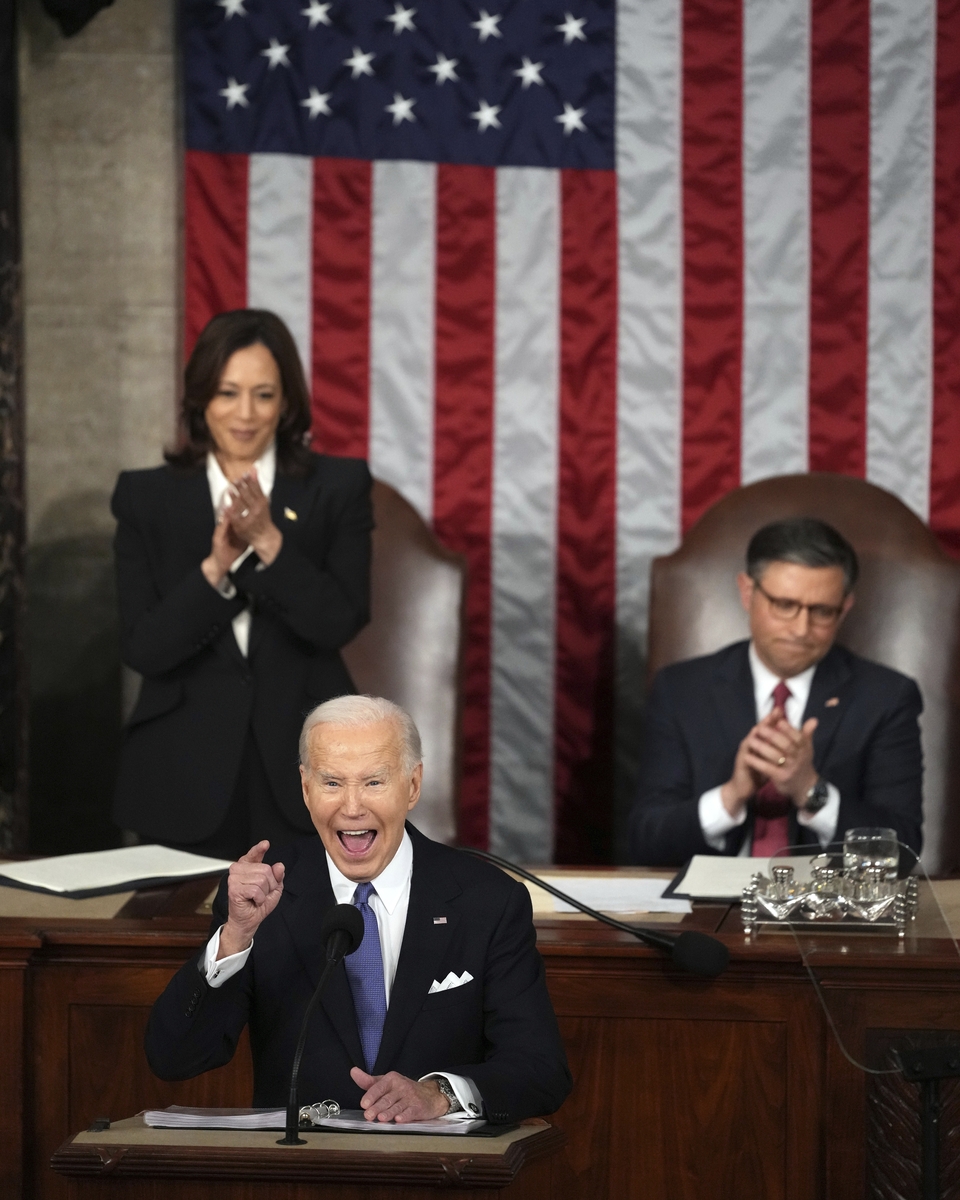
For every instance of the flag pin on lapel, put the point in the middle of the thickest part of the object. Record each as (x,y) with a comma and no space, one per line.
(289,514)
(439,920)
(832,702)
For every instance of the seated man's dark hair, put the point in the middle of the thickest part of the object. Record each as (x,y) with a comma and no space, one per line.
(806,542)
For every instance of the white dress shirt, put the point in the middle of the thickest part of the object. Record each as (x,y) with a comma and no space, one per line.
(715,821)
(389,901)
(220,488)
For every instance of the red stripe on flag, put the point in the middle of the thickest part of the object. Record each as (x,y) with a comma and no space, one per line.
(945,456)
(586,518)
(839,234)
(463,444)
(215,237)
(712,252)
(341,305)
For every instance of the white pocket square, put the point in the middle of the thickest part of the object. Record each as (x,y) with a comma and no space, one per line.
(451,981)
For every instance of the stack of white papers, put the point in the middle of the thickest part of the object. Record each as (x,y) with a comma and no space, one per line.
(177,1117)
(352,1120)
(103,871)
(615,893)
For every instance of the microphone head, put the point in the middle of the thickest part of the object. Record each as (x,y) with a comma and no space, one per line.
(700,954)
(342,926)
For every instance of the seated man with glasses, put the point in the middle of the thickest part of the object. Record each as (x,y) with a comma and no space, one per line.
(788,738)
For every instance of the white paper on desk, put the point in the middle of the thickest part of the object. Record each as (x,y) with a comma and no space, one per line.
(615,893)
(109,870)
(352,1120)
(718,877)
(178,1117)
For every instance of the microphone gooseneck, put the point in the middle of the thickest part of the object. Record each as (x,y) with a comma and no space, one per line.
(341,933)
(693,951)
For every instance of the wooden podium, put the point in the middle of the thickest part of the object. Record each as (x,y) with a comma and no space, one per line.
(130,1160)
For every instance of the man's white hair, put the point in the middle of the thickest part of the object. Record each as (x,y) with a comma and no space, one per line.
(357,712)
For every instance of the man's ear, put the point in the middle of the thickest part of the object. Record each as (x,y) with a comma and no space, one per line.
(745,586)
(847,605)
(416,779)
(303,783)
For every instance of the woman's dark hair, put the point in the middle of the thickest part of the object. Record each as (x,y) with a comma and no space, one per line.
(806,542)
(222,337)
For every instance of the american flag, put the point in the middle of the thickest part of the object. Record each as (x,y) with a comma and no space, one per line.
(567,271)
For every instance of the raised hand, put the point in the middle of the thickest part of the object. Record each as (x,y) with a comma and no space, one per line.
(225,547)
(254,889)
(394,1097)
(784,755)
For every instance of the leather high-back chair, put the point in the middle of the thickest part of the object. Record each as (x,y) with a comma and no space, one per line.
(411,652)
(906,615)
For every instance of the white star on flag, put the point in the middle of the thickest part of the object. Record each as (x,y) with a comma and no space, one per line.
(572,28)
(401,109)
(316,13)
(317,102)
(232,8)
(529,73)
(487,25)
(444,68)
(359,63)
(571,119)
(235,93)
(402,18)
(277,54)
(486,116)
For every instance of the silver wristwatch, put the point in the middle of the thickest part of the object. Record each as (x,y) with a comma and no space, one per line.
(451,1095)
(816,797)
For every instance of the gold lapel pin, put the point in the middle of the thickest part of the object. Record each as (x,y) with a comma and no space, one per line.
(289,514)
(832,702)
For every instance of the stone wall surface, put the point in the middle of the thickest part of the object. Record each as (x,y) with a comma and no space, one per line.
(100,169)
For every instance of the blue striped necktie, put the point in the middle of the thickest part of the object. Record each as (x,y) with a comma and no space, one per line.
(365,972)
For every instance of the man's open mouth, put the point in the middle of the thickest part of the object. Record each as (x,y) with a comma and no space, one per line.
(356,841)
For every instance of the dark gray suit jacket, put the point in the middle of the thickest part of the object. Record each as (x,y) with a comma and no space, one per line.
(499,1029)
(183,743)
(867,745)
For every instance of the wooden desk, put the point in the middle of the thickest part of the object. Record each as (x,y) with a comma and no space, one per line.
(685,1088)
(131,1162)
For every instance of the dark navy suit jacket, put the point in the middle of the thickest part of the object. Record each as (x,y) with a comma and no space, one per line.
(867,744)
(499,1029)
(200,697)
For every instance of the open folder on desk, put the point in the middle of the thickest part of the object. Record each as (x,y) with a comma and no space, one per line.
(715,877)
(99,872)
(349,1121)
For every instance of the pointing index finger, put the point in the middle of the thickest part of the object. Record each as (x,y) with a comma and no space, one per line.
(255,853)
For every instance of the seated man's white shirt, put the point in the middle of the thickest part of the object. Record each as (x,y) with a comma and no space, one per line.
(715,821)
(389,901)
(220,486)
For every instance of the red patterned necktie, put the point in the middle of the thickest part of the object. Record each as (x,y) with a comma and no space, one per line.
(771,825)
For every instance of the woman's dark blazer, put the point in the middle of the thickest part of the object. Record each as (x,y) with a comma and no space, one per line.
(183,743)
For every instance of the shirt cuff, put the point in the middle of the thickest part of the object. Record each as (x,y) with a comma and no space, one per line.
(824,822)
(218,973)
(465,1091)
(715,821)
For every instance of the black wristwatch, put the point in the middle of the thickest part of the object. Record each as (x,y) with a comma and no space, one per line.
(816,798)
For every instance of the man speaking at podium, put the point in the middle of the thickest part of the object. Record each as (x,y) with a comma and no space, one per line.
(441,1011)
(788,739)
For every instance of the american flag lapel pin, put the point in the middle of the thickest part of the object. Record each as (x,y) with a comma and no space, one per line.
(439,920)
(832,702)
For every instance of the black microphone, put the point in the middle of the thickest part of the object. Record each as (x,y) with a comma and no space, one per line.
(341,933)
(696,952)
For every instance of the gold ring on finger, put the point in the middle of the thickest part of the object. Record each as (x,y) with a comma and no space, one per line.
(245,512)
(781,760)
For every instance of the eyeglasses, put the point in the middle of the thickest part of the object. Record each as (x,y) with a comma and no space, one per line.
(786,610)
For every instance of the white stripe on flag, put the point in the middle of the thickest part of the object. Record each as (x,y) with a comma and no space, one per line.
(649,337)
(776,237)
(524,516)
(650,286)
(279,242)
(402,352)
(900,369)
